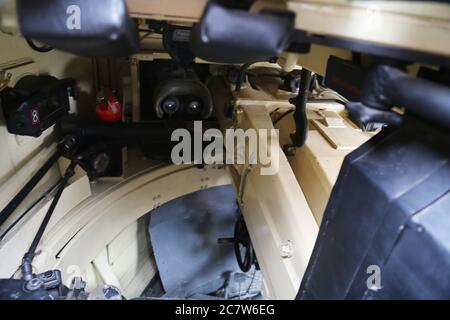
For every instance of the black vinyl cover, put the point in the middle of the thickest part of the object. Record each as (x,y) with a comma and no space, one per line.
(104,27)
(390,207)
(226,35)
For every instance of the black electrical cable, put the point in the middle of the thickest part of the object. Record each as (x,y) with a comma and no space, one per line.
(27,268)
(282,116)
(33,46)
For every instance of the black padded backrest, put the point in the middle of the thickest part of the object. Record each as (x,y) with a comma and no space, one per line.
(84,27)
(389,210)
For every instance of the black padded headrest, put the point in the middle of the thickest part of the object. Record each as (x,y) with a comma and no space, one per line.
(84,27)
(226,35)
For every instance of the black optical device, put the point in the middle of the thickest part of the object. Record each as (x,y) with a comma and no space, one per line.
(36,103)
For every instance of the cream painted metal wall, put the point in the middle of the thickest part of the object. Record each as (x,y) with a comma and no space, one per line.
(92,228)
(127,262)
(283,211)
(281,225)
(316,165)
(16,242)
(422,26)
(280,222)
(265,237)
(22,156)
(177,10)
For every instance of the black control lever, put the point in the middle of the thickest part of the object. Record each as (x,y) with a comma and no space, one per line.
(32,286)
(27,268)
(64,148)
(301,120)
